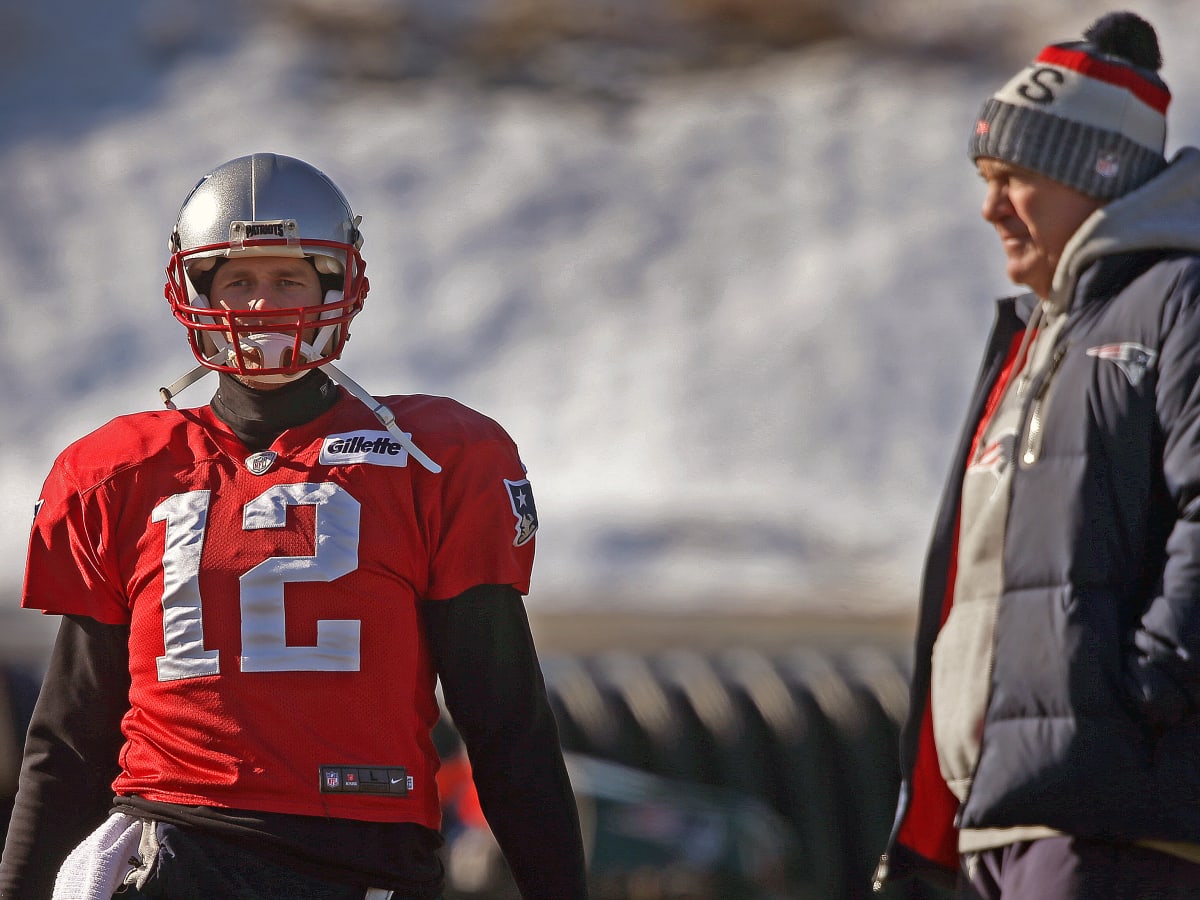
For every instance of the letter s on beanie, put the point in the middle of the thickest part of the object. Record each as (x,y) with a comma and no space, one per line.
(1089,114)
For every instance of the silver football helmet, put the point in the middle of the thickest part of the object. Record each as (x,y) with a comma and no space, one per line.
(266,205)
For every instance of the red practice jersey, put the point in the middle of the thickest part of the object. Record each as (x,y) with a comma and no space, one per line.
(275,649)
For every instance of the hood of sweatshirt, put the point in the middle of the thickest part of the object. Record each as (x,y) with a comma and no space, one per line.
(1162,214)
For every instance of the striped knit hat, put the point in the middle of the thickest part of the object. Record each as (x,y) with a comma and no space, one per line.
(1089,114)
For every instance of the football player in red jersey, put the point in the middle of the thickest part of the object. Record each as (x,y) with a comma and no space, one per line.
(259,595)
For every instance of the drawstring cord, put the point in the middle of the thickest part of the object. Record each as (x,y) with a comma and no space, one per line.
(1035,321)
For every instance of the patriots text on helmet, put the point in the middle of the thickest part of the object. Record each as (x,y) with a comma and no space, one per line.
(257,229)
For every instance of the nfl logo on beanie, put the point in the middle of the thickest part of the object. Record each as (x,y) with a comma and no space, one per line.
(1089,114)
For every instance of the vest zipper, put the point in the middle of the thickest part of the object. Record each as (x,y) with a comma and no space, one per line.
(1031,449)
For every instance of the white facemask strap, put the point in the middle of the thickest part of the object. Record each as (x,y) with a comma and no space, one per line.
(386,417)
(168,393)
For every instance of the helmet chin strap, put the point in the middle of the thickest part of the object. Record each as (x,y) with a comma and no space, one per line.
(186,381)
(269,348)
(385,416)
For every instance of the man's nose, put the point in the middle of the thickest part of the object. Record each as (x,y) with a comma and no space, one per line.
(995,201)
(267,300)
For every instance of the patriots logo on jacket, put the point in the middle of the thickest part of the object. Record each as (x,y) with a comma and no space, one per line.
(997,455)
(520,497)
(1131,358)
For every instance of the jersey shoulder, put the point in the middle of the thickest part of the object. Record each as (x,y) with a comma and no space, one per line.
(130,440)
(443,421)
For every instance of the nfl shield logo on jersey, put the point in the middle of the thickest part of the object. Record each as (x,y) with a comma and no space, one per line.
(259,463)
(520,497)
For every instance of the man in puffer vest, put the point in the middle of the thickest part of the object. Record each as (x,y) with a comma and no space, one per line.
(1052,750)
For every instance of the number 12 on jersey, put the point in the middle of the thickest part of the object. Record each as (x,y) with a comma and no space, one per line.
(261,589)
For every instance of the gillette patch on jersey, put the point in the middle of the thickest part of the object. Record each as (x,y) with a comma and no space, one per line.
(376,448)
(391,781)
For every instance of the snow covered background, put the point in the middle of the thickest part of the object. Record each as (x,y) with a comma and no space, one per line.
(730,312)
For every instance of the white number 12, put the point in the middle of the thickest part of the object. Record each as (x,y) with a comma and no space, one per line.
(263,610)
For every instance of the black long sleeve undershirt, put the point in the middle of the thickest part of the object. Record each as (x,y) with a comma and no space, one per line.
(495,694)
(71,753)
(493,687)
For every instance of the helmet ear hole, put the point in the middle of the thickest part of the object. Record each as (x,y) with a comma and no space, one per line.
(330,283)
(200,274)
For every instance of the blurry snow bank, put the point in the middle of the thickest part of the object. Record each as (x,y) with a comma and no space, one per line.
(730,315)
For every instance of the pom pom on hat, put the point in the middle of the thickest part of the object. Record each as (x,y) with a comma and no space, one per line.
(1126,35)
(1090,114)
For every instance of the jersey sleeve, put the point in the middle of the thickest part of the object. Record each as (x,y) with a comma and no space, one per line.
(487,521)
(67,569)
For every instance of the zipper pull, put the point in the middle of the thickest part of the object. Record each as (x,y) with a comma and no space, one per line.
(881,874)
(1033,435)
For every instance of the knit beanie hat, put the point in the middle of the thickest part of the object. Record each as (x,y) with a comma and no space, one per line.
(1089,114)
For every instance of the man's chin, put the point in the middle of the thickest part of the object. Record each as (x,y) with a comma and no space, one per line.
(266,382)
(1021,273)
